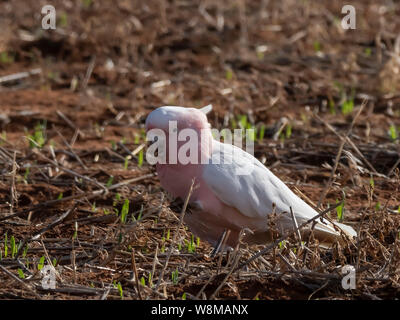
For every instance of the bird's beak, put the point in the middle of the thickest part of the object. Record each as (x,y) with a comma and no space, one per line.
(206,109)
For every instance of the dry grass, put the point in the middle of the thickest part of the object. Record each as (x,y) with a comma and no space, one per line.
(72,137)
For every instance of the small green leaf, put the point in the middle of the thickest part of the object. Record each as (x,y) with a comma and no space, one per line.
(229,74)
(109,181)
(21,273)
(124,211)
(41,263)
(340,211)
(140,158)
(261,133)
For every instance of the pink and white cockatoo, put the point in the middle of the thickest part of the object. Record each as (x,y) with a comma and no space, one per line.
(222,198)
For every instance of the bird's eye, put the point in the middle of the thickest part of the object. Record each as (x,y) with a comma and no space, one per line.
(155,139)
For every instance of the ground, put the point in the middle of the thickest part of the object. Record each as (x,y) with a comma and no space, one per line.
(76,193)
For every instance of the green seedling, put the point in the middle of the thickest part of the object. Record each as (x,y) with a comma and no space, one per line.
(63,21)
(25,252)
(121,292)
(331,105)
(38,138)
(317,46)
(14,248)
(288,132)
(261,132)
(5,245)
(6,58)
(229,74)
(109,181)
(113,145)
(367,52)
(41,263)
(340,211)
(124,211)
(393,132)
(347,106)
(175,277)
(21,273)
(140,158)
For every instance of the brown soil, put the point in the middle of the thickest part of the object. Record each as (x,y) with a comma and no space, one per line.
(265,60)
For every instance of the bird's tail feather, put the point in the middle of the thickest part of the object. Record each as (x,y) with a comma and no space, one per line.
(327,234)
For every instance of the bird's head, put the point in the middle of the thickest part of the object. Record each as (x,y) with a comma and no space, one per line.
(178,135)
(162,118)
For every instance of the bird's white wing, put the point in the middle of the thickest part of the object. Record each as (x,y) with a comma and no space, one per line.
(241,181)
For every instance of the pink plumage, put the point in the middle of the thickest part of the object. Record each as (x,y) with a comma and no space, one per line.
(224,199)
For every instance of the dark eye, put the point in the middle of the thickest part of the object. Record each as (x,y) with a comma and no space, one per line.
(155,139)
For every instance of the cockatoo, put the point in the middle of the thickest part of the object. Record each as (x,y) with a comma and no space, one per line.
(229,194)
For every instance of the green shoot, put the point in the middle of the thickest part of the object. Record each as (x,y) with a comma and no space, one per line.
(26,174)
(124,210)
(229,74)
(41,263)
(121,292)
(243,121)
(38,138)
(25,252)
(340,211)
(109,181)
(113,145)
(331,104)
(288,130)
(140,158)
(5,245)
(367,52)
(261,133)
(347,106)
(175,277)
(317,46)
(14,249)
(5,58)
(393,133)
(63,19)
(21,273)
